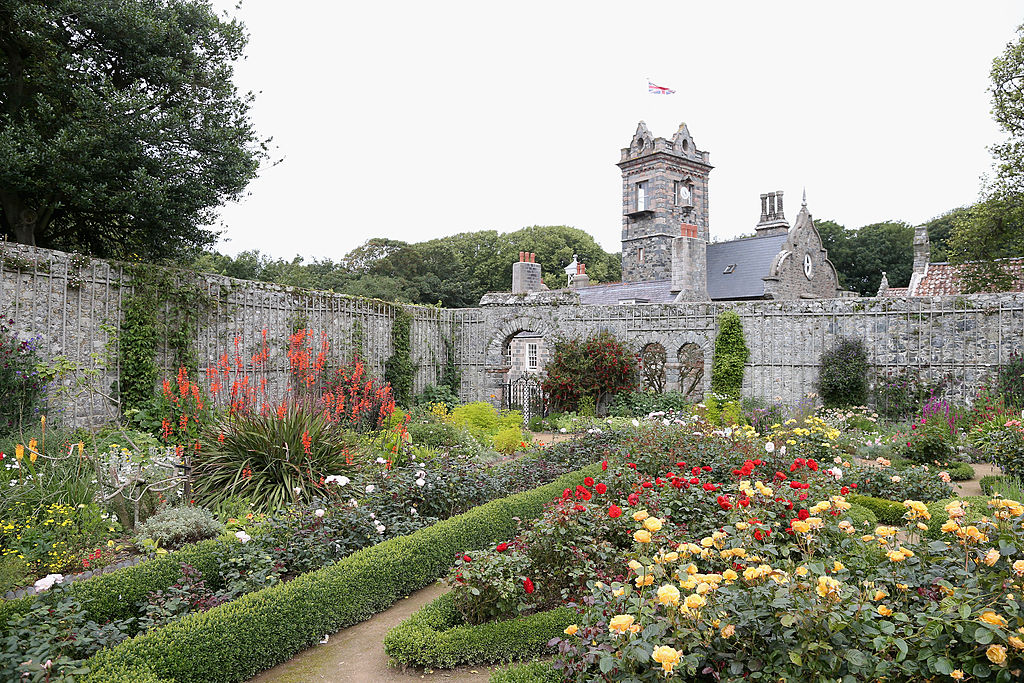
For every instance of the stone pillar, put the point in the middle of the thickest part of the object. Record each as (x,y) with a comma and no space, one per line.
(689,268)
(526,275)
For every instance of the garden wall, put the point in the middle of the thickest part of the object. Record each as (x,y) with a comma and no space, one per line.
(74,306)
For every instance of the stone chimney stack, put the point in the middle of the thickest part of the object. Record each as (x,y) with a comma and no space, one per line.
(922,257)
(526,274)
(580,279)
(773,218)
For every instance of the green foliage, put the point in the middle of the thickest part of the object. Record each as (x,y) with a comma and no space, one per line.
(122,127)
(234,641)
(14,573)
(976,507)
(437,394)
(174,527)
(643,403)
(1000,443)
(886,511)
(730,356)
(436,636)
(21,386)
(960,471)
(1010,381)
(843,374)
(137,348)
(398,370)
(529,672)
(266,457)
(901,392)
(983,234)
(597,367)
(861,255)
(719,410)
(1002,485)
(509,440)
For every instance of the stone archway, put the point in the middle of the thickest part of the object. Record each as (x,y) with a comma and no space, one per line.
(690,364)
(508,353)
(653,360)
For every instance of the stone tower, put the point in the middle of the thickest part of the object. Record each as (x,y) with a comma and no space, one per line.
(664,197)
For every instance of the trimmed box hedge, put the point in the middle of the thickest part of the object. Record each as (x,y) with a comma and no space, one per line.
(437,636)
(235,641)
(530,672)
(886,511)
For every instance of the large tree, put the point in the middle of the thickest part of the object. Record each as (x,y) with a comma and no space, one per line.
(120,128)
(994,228)
(860,256)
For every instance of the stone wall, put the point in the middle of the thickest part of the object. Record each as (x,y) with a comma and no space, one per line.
(73,305)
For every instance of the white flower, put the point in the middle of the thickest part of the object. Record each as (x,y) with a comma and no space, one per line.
(380,461)
(782,449)
(339,479)
(421,482)
(835,472)
(562,430)
(243,537)
(636,422)
(326,638)
(298,490)
(413,511)
(380,528)
(769,447)
(370,488)
(46,583)
(319,512)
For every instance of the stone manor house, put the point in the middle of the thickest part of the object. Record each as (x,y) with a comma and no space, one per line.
(667,252)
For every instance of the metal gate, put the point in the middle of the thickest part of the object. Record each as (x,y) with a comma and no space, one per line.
(525,394)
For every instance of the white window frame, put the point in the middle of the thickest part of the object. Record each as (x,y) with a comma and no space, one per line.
(532,356)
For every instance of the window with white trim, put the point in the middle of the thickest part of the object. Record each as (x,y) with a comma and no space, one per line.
(531,356)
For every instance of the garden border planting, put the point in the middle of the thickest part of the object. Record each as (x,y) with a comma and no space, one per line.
(528,672)
(884,510)
(437,636)
(237,640)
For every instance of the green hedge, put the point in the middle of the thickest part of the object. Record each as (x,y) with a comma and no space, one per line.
(235,641)
(437,636)
(886,511)
(116,595)
(531,672)
(960,471)
(977,507)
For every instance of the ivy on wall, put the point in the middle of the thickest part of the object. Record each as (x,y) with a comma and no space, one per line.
(156,289)
(730,356)
(450,375)
(398,368)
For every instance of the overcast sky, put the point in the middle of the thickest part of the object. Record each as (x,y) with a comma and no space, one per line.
(416,120)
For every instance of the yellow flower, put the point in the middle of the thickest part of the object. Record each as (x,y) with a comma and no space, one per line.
(846,527)
(1016,642)
(742,526)
(992,556)
(620,623)
(884,611)
(996,654)
(645,580)
(671,557)
(619,592)
(838,566)
(640,515)
(642,536)
(956,675)
(695,601)
(801,571)
(801,526)
(634,565)
(949,526)
(1018,567)
(728,631)
(827,586)
(880,595)
(990,617)
(19,452)
(730,575)
(571,629)
(692,569)
(668,595)
(667,656)
(652,524)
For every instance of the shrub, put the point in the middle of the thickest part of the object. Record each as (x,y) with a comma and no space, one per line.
(843,374)
(598,368)
(436,636)
(761,414)
(1001,442)
(435,434)
(730,356)
(398,370)
(442,394)
(1010,381)
(916,483)
(509,440)
(173,527)
(529,672)
(643,403)
(480,419)
(21,385)
(266,457)
(902,392)
(886,511)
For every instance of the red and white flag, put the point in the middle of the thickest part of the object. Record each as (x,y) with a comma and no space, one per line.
(659,90)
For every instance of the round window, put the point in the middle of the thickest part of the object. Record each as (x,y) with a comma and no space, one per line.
(808,266)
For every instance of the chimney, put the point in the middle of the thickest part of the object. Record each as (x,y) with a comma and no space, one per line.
(773,218)
(580,279)
(526,275)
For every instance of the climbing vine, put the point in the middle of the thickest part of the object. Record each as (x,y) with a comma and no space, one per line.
(450,375)
(156,289)
(398,369)
(730,356)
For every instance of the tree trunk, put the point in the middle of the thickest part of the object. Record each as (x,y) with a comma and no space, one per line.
(20,219)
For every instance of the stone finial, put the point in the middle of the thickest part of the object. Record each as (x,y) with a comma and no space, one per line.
(883,286)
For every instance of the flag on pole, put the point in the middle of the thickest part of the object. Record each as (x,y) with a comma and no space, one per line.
(658,89)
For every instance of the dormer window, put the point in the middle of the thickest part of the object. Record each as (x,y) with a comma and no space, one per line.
(729,269)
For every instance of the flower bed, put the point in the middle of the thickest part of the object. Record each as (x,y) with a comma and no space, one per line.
(438,636)
(237,640)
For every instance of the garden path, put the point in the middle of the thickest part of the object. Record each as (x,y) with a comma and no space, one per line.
(356,654)
(972,487)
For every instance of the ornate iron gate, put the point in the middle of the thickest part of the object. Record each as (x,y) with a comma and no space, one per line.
(525,394)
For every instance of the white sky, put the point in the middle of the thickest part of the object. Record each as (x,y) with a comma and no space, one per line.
(413,120)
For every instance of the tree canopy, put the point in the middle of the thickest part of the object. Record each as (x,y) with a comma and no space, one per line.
(455,270)
(120,128)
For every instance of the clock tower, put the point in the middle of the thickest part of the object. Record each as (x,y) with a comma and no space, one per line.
(664,197)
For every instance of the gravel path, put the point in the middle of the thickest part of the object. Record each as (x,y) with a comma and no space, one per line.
(356,654)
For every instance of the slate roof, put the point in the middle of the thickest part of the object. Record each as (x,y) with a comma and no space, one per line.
(753,257)
(942,279)
(653,291)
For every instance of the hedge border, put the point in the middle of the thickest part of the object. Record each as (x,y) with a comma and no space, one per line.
(235,641)
(437,636)
(527,672)
(885,510)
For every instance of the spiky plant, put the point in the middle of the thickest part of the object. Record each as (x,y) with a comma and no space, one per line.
(272,459)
